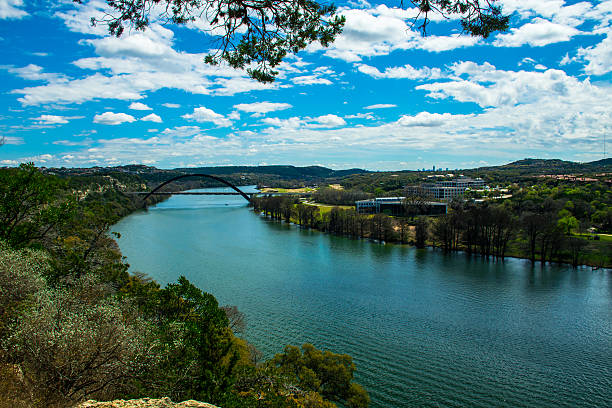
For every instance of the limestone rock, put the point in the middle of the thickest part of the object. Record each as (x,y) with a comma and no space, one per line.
(145,403)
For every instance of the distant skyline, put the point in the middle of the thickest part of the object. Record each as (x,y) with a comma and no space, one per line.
(382,97)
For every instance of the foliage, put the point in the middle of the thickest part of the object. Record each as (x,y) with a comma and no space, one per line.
(193,335)
(334,196)
(478,18)
(258,35)
(68,342)
(251,32)
(323,372)
(30,206)
(21,277)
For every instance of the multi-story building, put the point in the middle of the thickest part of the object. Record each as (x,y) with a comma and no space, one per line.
(398,206)
(446,189)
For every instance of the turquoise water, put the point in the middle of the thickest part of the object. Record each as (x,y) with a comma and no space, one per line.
(424,328)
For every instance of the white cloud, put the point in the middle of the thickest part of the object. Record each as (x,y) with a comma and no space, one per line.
(152,118)
(33,72)
(538,33)
(599,57)
(235,115)
(380,106)
(361,115)
(407,71)
(51,120)
(134,64)
(203,114)
(295,123)
(139,106)
(10,9)
(487,86)
(381,30)
(555,10)
(327,121)
(111,118)
(425,119)
(310,80)
(261,108)
(171,105)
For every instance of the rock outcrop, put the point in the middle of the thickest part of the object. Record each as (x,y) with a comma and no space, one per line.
(145,403)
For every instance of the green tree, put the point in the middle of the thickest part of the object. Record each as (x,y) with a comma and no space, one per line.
(568,223)
(262,33)
(323,372)
(194,336)
(31,206)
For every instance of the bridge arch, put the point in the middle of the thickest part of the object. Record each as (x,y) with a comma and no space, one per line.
(219,179)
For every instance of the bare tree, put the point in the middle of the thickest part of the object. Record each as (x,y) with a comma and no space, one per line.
(237,319)
(414,203)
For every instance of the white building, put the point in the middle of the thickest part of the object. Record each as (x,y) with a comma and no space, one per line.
(447,189)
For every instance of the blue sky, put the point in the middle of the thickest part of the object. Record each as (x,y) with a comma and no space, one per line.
(382,97)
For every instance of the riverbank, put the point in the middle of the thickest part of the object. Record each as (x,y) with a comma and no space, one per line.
(400,230)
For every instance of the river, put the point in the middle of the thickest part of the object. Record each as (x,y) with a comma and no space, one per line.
(424,328)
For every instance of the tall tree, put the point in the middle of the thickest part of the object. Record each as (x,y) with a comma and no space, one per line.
(30,205)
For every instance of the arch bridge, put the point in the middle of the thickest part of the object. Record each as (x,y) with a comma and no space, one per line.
(219,179)
(237,191)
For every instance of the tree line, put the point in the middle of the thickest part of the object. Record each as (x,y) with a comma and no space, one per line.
(345,222)
(543,230)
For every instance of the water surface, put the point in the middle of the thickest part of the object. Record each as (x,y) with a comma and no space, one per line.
(425,329)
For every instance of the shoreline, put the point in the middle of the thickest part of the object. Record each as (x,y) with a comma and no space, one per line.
(429,245)
(434,247)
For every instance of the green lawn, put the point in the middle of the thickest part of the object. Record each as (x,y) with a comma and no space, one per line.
(602,237)
(325,208)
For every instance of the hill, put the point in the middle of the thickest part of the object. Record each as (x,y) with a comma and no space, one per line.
(549,166)
(286,172)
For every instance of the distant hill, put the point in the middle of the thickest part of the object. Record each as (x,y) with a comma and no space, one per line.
(550,166)
(286,172)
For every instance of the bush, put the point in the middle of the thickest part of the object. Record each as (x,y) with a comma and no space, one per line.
(75,344)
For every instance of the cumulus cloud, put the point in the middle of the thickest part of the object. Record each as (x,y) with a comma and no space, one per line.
(128,67)
(487,86)
(203,114)
(33,72)
(538,33)
(598,57)
(380,106)
(52,120)
(380,30)
(139,106)
(111,118)
(425,119)
(310,80)
(407,71)
(152,118)
(261,108)
(327,121)
(171,105)
(11,9)
(295,123)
